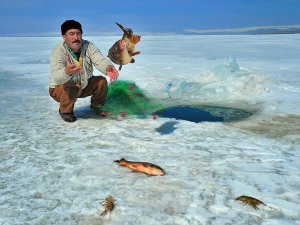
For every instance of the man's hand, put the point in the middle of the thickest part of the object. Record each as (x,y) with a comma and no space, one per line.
(112,73)
(71,68)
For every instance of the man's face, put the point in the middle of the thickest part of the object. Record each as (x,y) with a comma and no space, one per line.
(73,38)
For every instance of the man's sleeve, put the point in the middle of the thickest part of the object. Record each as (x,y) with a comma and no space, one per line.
(58,65)
(98,60)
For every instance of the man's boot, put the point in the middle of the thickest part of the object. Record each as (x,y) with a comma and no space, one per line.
(68,117)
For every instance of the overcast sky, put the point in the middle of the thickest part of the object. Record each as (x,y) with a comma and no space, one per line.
(96,16)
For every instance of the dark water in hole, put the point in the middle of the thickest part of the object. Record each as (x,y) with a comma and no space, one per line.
(204,113)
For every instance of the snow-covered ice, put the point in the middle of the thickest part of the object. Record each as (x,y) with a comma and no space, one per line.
(54,172)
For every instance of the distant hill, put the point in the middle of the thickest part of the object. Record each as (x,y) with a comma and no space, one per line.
(292,29)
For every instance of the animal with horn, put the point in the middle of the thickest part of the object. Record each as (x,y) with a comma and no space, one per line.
(130,39)
(123,50)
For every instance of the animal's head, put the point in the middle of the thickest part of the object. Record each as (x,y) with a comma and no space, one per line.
(134,39)
(160,172)
(128,35)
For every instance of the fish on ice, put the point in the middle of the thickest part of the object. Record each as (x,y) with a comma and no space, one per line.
(253,202)
(142,167)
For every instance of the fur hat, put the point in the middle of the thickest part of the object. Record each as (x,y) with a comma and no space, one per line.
(70,24)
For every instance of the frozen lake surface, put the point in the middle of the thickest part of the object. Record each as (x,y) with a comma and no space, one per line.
(57,173)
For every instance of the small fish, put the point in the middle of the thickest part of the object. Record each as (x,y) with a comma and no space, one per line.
(109,205)
(250,201)
(142,167)
(130,39)
(118,54)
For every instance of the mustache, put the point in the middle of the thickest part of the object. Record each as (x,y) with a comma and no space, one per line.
(76,41)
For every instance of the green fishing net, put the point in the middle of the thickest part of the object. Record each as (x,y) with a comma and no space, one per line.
(126,98)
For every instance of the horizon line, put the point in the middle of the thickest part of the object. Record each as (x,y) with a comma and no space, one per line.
(187,31)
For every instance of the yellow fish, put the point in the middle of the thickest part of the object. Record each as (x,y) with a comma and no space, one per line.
(142,167)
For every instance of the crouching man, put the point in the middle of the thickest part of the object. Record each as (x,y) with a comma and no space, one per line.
(72,77)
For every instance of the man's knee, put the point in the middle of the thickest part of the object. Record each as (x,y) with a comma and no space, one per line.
(102,82)
(55,93)
(72,90)
(101,86)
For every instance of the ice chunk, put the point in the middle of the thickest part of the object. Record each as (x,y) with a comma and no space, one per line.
(234,67)
(223,83)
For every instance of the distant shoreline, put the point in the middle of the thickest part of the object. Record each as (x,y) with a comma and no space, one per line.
(149,35)
(291,29)
(245,33)
(263,30)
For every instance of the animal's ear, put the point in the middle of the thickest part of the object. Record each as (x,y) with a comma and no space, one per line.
(122,159)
